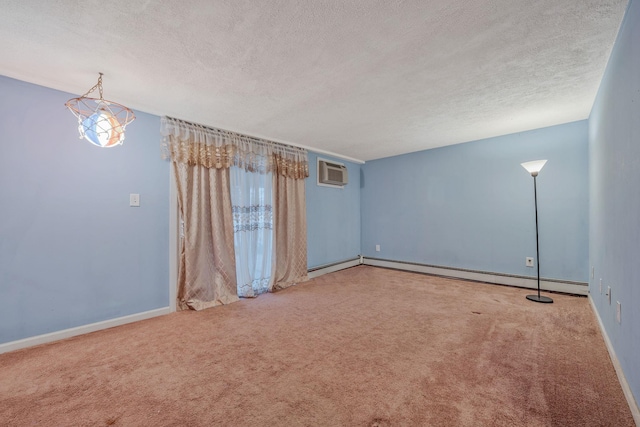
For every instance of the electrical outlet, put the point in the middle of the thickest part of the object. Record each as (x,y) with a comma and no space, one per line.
(377,248)
(134,200)
(528,261)
(601,286)
(609,294)
(618,312)
(593,271)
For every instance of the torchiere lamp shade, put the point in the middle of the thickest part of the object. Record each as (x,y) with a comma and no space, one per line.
(534,167)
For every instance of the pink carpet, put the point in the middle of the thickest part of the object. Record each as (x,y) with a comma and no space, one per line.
(360,347)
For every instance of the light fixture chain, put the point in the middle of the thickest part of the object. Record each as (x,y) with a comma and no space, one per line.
(98,86)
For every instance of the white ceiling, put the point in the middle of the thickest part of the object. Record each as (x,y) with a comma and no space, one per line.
(363,79)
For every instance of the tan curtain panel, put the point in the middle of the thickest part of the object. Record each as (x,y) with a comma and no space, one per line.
(290,232)
(207,273)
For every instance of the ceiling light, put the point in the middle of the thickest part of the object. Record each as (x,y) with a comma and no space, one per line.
(100,122)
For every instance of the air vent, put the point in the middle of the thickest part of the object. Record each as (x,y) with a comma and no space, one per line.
(332,174)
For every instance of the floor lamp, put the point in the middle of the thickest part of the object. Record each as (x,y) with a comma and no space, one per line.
(533,168)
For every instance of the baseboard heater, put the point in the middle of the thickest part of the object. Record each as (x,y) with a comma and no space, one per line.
(552,285)
(334,266)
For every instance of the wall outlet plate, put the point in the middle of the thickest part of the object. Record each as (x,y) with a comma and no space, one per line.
(528,261)
(601,286)
(618,312)
(609,294)
(134,200)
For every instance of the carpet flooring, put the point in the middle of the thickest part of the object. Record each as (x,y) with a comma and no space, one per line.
(360,347)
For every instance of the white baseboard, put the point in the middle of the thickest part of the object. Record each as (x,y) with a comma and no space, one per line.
(85,329)
(330,268)
(79,330)
(568,287)
(633,405)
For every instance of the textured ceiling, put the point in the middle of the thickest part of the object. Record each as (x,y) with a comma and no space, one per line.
(363,79)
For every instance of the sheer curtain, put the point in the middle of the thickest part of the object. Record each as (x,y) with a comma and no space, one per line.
(251,198)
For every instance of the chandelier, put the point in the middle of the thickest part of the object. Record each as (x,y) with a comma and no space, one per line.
(100,122)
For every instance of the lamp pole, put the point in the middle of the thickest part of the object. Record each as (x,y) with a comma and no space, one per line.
(535,201)
(537,298)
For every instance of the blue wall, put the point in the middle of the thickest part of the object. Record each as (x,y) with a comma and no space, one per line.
(614,151)
(72,251)
(333,216)
(471,205)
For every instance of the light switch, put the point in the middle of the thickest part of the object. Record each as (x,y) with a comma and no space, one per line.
(134,200)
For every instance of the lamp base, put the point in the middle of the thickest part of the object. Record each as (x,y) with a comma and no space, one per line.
(540,298)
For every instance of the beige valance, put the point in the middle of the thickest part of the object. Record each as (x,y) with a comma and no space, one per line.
(194,144)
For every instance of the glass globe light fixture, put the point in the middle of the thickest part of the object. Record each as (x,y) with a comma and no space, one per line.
(100,122)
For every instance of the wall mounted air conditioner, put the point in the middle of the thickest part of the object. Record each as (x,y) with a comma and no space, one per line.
(332,174)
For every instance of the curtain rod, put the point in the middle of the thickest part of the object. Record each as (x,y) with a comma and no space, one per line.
(233,134)
(265,140)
